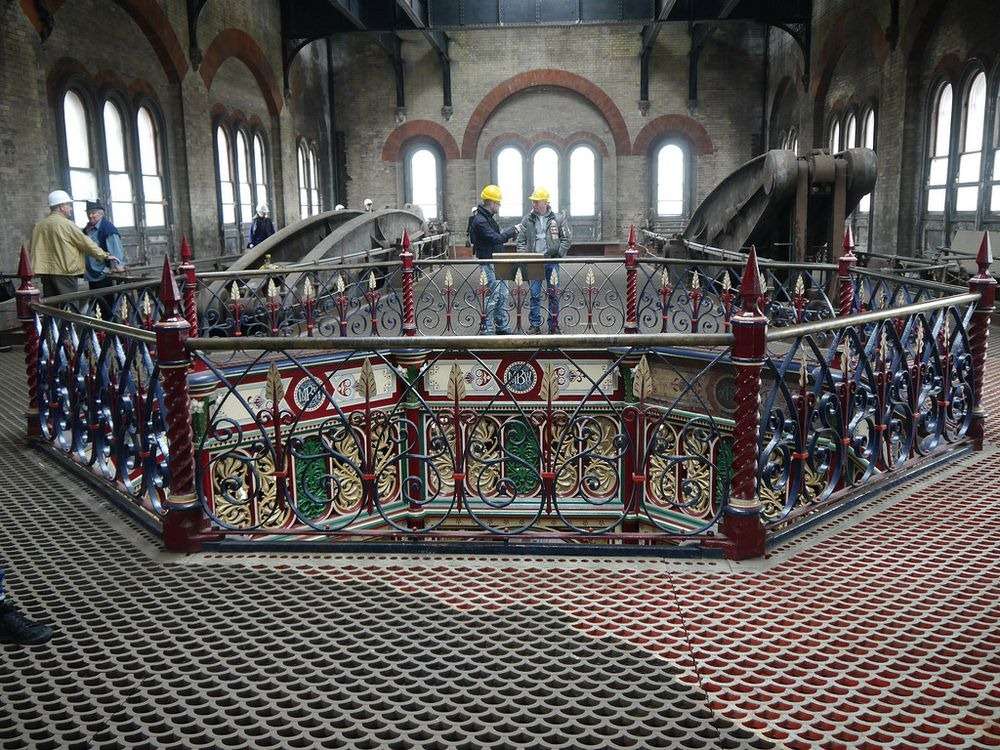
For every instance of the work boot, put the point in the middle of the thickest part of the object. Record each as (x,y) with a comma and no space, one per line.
(16,628)
(534,330)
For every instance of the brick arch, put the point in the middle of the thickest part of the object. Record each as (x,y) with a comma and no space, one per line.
(392,149)
(852,21)
(507,139)
(239,44)
(666,125)
(151,20)
(546,77)
(583,136)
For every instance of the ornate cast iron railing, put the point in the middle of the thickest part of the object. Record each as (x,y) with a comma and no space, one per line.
(283,404)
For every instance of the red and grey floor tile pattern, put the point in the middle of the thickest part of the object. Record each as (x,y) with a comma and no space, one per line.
(880,629)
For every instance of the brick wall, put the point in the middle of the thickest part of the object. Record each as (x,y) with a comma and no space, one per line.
(510,81)
(856,59)
(241,43)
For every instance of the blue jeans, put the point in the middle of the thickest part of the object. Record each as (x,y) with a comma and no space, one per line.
(497,317)
(535,307)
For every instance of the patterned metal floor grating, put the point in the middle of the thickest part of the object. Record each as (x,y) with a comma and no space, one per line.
(878,630)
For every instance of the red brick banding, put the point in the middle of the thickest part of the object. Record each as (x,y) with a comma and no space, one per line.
(239,44)
(392,149)
(151,20)
(516,139)
(546,77)
(667,125)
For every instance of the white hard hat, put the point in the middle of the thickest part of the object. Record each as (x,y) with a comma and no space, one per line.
(58,197)
(339,207)
(368,204)
(262,208)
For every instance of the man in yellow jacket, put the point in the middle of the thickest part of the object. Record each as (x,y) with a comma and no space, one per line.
(58,246)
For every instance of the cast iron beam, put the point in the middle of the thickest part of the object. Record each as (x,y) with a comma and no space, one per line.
(194,9)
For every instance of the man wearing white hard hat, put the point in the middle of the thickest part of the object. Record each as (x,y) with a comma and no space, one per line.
(261,227)
(58,246)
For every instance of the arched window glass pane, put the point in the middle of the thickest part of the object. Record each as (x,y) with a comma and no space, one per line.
(795,144)
(303,185)
(149,160)
(260,170)
(227,196)
(122,208)
(510,180)
(243,175)
(995,189)
(582,181)
(971,156)
(82,178)
(835,137)
(851,132)
(868,141)
(545,173)
(313,182)
(938,169)
(424,182)
(670,181)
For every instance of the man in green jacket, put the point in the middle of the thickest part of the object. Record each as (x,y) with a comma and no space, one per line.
(58,246)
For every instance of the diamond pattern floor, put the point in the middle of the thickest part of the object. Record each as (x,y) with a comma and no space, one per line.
(879,630)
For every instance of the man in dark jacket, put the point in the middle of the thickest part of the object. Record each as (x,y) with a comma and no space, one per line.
(106,236)
(261,228)
(486,239)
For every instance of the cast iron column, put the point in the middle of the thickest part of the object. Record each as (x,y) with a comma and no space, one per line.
(184,520)
(742,522)
(27,295)
(845,277)
(985,285)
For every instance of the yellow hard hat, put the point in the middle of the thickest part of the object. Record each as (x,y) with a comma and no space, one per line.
(490,193)
(540,194)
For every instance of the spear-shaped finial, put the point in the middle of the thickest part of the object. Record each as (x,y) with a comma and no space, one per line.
(984,259)
(272,289)
(308,292)
(590,277)
(234,291)
(631,236)
(340,284)
(449,281)
(848,241)
(726,283)
(406,240)
(186,254)
(554,278)
(800,286)
(483,281)
(170,295)
(518,278)
(371,281)
(750,284)
(24,265)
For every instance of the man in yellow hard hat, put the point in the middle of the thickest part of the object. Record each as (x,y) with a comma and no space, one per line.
(548,234)
(487,238)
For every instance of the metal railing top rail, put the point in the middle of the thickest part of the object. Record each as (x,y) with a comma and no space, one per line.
(97,324)
(833,324)
(116,289)
(475,343)
(924,283)
(737,258)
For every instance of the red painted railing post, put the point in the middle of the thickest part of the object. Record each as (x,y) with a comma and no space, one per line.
(27,295)
(845,275)
(190,287)
(742,522)
(631,284)
(985,285)
(409,312)
(184,519)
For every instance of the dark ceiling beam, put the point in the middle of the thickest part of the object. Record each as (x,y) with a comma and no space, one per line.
(652,30)
(418,14)
(728,6)
(649,34)
(194,9)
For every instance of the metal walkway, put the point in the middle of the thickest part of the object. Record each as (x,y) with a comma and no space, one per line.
(878,630)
